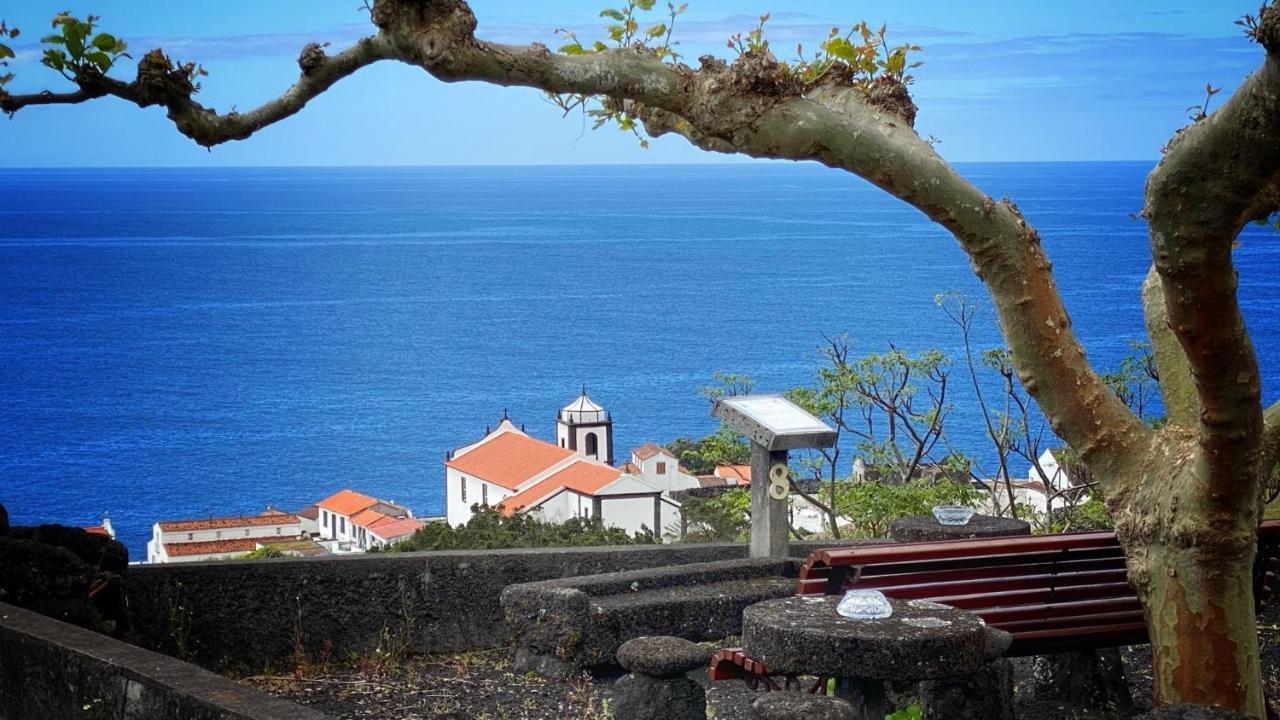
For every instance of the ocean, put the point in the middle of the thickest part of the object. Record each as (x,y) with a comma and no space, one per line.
(183,342)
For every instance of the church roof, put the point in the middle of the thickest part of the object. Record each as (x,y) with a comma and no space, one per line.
(508,459)
(581,476)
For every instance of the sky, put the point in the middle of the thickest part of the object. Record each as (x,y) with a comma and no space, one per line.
(1003,80)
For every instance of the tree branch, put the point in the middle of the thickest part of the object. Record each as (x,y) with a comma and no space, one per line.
(1182,406)
(161,82)
(1217,175)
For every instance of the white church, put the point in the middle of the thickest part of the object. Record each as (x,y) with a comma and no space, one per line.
(573,477)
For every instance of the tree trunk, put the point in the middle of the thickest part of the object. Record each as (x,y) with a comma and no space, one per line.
(1200,614)
(1190,554)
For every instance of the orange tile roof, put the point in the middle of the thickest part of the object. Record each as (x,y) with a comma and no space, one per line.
(211,547)
(509,459)
(630,468)
(346,502)
(366,517)
(226,522)
(581,476)
(97,530)
(648,450)
(398,527)
(741,473)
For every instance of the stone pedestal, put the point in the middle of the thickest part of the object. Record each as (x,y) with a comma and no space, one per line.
(926,528)
(1088,678)
(657,688)
(986,694)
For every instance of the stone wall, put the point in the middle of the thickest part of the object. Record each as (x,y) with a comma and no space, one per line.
(254,615)
(50,670)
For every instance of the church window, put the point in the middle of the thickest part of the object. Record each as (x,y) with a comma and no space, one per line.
(592,444)
(484,494)
(462,483)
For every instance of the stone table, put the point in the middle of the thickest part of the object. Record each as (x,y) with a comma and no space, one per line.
(926,528)
(921,641)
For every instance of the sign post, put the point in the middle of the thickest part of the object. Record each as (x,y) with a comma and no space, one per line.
(773,425)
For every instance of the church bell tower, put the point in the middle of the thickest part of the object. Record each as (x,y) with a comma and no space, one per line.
(586,428)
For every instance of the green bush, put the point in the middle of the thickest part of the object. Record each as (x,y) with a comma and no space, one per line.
(872,506)
(489,529)
(720,518)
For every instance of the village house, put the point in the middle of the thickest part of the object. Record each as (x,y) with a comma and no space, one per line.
(511,471)
(659,467)
(353,522)
(219,538)
(1065,485)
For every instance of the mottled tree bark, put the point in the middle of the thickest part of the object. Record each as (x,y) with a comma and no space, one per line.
(1186,498)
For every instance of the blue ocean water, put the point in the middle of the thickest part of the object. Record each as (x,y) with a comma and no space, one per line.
(183,342)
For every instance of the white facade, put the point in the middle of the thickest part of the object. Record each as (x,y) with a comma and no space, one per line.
(659,468)
(177,532)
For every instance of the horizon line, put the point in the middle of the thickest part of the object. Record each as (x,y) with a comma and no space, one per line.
(410,166)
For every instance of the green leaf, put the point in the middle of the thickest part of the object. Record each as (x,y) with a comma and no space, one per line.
(101,59)
(571,49)
(55,59)
(613,14)
(54,39)
(657,30)
(5,52)
(105,42)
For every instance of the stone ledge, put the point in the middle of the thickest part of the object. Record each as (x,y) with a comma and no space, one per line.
(50,670)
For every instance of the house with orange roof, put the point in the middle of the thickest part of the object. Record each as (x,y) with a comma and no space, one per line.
(187,540)
(509,470)
(347,520)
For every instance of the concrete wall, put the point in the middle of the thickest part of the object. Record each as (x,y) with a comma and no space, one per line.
(247,615)
(50,670)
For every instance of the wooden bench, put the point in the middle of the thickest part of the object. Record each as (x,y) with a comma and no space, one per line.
(1052,593)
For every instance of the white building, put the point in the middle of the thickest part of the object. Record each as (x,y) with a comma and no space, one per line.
(1035,493)
(104,528)
(219,538)
(657,466)
(352,522)
(511,471)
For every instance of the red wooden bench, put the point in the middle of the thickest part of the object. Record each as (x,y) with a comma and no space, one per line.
(1052,593)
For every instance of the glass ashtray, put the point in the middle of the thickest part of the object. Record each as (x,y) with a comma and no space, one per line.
(953,514)
(864,605)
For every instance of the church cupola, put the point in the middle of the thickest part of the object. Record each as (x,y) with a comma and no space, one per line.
(586,428)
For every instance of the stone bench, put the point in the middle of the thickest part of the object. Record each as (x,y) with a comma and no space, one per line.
(578,623)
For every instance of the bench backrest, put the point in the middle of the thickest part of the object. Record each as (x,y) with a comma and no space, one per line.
(1051,592)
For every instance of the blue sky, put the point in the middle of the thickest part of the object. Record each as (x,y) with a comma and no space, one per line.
(1007,80)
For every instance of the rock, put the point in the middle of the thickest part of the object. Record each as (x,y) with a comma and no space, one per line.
(801,706)
(1089,678)
(662,656)
(984,695)
(1191,712)
(4,520)
(998,642)
(637,697)
(69,579)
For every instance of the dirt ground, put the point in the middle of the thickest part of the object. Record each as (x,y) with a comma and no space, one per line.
(483,686)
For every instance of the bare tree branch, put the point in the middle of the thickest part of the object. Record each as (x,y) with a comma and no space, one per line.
(162,82)
(1182,406)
